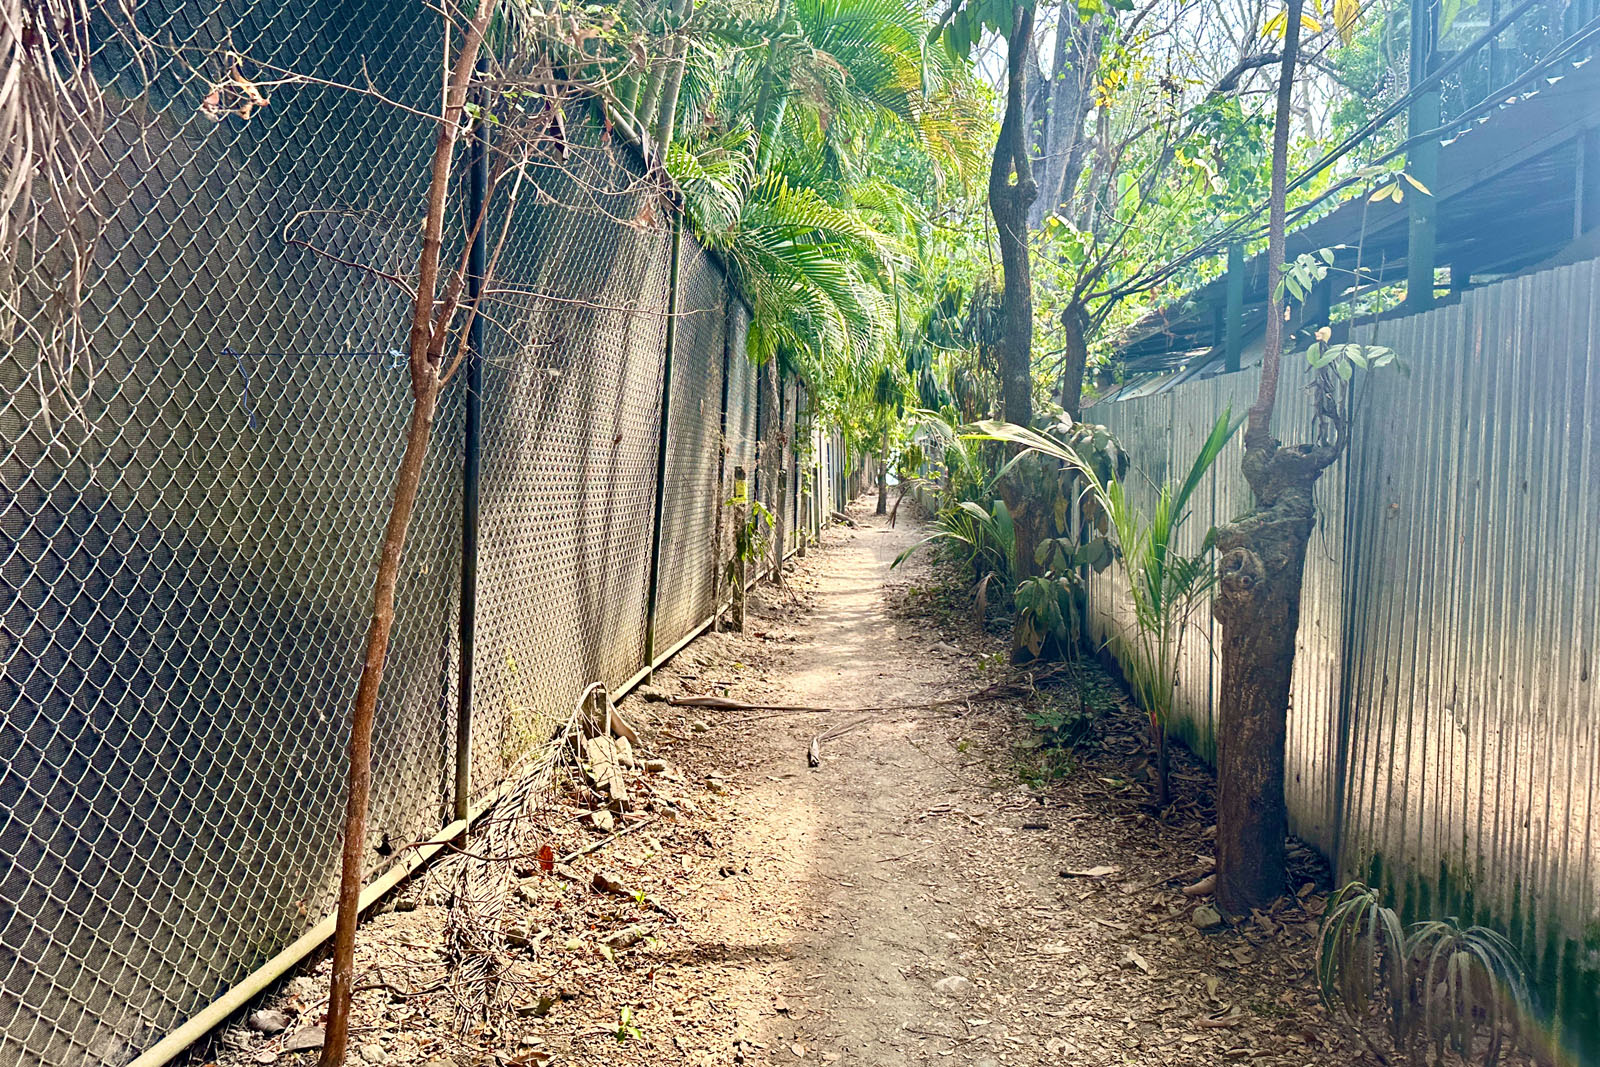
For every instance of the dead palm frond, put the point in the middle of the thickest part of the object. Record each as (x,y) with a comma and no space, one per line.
(52,122)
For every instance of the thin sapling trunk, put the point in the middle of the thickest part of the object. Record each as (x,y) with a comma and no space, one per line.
(428,336)
(883,476)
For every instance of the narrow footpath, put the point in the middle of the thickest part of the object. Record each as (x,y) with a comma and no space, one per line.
(905,902)
(942,889)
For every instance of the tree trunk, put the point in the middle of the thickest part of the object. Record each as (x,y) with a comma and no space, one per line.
(1075,67)
(1011,191)
(1075,358)
(1261,559)
(1036,102)
(668,113)
(883,477)
(426,347)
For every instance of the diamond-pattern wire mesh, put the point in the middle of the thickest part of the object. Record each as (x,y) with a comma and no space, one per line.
(741,421)
(685,593)
(572,394)
(791,477)
(184,584)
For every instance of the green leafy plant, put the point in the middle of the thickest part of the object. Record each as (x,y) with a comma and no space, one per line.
(1298,279)
(1164,585)
(985,540)
(1440,990)
(750,538)
(911,470)
(1050,606)
(1065,715)
(1065,531)
(626,1028)
(1345,359)
(1361,954)
(1301,275)
(958,461)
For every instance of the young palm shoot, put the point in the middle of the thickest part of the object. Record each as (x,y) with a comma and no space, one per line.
(1164,585)
(1439,989)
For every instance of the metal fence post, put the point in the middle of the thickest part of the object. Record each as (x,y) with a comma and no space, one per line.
(802,504)
(654,590)
(741,519)
(471,467)
(731,308)
(1422,160)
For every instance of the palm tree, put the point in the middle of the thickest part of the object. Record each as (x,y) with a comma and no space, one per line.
(779,143)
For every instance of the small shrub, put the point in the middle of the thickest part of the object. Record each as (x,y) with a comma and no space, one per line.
(1440,990)
(983,541)
(1051,607)
(1064,725)
(1066,719)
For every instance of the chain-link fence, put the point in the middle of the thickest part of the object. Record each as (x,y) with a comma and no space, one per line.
(188,558)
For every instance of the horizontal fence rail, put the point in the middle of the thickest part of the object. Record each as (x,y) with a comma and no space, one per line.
(187,567)
(1444,721)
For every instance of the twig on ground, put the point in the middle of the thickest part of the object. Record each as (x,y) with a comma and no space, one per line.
(604,841)
(814,752)
(1023,685)
(907,855)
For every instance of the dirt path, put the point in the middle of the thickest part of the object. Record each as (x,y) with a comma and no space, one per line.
(851,845)
(903,903)
(908,894)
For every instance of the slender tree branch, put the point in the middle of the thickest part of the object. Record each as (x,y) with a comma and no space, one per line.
(1258,429)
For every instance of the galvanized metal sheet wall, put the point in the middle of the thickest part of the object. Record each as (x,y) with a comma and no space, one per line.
(1444,727)
(1475,700)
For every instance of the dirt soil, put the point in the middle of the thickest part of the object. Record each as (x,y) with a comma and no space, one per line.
(948,886)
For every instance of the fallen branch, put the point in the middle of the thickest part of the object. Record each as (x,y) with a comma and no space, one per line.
(736,705)
(907,855)
(814,752)
(604,841)
(1021,686)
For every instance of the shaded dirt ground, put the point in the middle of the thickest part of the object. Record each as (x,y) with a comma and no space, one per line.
(903,903)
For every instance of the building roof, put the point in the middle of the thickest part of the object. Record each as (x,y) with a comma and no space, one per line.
(1511,194)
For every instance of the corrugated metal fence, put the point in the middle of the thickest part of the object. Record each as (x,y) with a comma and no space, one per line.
(186,571)
(1444,728)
